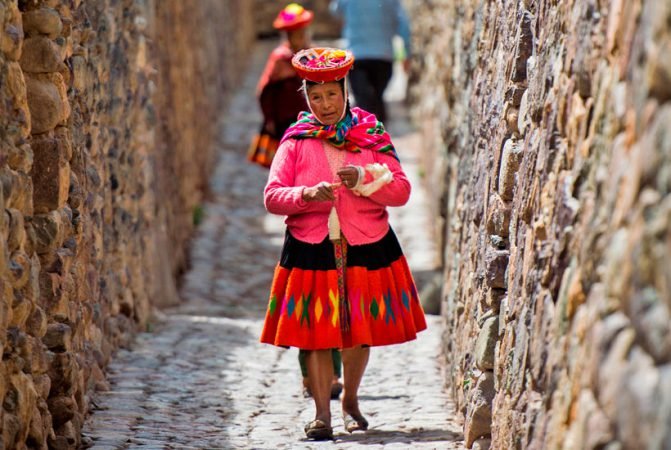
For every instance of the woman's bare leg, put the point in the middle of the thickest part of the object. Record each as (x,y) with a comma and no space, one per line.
(320,376)
(354,361)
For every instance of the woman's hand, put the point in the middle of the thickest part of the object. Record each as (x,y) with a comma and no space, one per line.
(323,192)
(349,176)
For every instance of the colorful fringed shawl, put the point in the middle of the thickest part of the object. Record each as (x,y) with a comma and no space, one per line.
(356,131)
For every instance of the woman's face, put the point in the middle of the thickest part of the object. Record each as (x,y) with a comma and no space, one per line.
(327,102)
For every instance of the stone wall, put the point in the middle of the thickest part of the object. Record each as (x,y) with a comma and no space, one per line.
(108,116)
(548,128)
(324,25)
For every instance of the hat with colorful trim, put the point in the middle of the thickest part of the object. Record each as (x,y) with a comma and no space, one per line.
(293,17)
(322,64)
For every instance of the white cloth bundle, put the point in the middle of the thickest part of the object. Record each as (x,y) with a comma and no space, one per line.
(381,176)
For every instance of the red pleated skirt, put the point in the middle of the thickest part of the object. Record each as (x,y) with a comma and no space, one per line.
(379,304)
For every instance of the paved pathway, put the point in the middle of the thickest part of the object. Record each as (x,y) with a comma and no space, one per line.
(200,380)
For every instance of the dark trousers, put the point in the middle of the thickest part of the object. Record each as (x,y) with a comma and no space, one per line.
(368,80)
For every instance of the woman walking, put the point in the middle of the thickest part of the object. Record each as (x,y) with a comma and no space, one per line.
(278,88)
(342,280)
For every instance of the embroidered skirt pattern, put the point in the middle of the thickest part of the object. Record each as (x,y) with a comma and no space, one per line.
(305,308)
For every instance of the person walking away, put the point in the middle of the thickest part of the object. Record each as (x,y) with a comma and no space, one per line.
(369,27)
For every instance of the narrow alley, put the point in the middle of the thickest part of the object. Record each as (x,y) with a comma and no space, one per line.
(200,380)
(136,255)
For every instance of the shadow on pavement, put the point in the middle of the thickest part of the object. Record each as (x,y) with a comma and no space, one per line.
(376,437)
(188,367)
(382,397)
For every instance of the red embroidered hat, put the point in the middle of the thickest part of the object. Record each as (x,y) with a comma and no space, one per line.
(322,64)
(292,17)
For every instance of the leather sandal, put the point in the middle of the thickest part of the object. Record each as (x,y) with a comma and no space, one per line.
(354,422)
(318,431)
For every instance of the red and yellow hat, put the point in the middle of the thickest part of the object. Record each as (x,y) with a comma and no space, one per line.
(322,64)
(292,17)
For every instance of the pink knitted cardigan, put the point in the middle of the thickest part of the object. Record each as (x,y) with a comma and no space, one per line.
(303,163)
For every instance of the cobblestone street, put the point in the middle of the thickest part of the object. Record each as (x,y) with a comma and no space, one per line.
(200,380)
